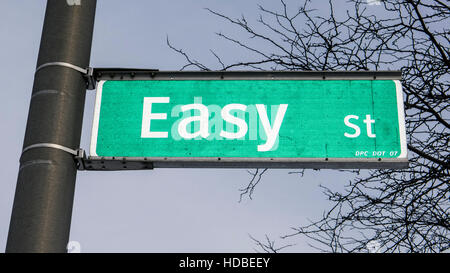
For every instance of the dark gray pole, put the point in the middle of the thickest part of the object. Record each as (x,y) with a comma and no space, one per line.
(42,210)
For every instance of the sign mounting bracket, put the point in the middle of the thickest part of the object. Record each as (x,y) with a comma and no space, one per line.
(88,163)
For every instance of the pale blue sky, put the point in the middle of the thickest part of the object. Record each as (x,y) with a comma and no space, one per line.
(163,210)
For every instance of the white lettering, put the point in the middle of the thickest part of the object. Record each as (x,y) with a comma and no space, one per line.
(147,116)
(246,262)
(243,128)
(353,126)
(368,121)
(202,118)
(271,131)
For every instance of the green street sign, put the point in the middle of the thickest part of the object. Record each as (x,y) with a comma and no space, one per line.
(197,119)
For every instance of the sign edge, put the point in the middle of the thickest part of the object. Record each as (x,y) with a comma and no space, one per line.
(96,119)
(401,119)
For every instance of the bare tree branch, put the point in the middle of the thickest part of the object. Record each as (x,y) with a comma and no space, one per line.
(256,178)
(269,245)
(401,210)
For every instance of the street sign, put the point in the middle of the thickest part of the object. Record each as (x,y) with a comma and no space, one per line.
(246,119)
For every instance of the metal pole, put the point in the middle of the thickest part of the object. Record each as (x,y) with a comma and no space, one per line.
(42,210)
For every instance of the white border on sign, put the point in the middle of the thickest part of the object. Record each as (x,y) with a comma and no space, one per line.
(400,110)
(401,119)
(94,134)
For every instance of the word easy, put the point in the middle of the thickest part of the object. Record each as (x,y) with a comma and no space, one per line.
(271,130)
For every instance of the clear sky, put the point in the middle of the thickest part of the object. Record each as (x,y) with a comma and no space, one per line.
(162,210)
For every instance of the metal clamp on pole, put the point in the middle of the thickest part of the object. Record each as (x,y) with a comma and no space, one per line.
(80,157)
(88,73)
(50,145)
(79,154)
